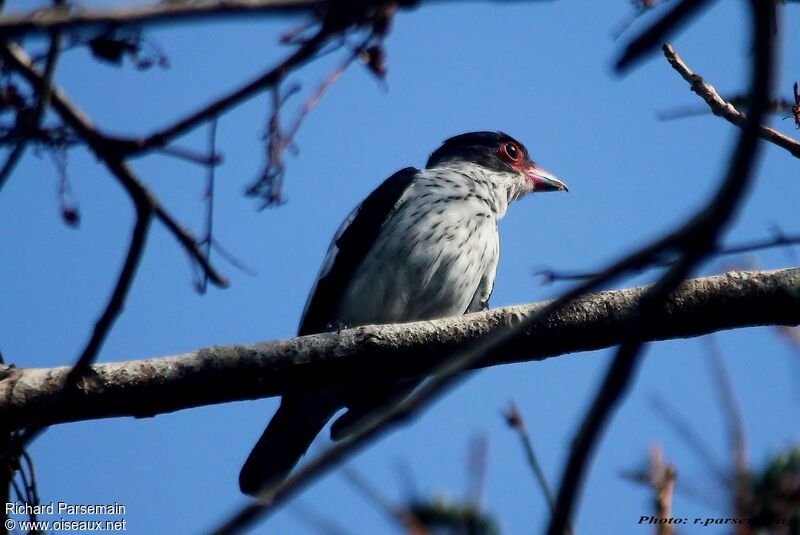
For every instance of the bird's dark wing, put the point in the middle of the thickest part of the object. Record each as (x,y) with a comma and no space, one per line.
(349,248)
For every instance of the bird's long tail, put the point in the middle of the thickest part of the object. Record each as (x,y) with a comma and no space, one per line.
(285,440)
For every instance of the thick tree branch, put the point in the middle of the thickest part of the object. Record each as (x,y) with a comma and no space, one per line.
(231,373)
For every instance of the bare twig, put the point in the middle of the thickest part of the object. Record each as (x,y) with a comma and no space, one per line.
(736,434)
(317,521)
(514,420)
(724,109)
(779,239)
(333,23)
(159,12)
(662,481)
(374,17)
(28,493)
(33,492)
(269,184)
(269,79)
(640,7)
(775,106)
(403,517)
(69,208)
(208,238)
(106,150)
(17,491)
(232,259)
(692,439)
(712,502)
(28,121)
(207,160)
(476,471)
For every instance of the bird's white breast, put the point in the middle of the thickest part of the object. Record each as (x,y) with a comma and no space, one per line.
(435,252)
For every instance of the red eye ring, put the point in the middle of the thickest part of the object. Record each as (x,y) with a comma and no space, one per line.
(511,151)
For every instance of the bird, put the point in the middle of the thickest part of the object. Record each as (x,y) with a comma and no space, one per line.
(423,245)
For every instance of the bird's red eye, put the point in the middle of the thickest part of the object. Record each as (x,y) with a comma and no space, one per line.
(510,151)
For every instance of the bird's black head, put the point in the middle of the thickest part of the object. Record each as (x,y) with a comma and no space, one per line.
(494,150)
(498,152)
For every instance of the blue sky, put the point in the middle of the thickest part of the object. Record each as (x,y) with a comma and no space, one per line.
(539,71)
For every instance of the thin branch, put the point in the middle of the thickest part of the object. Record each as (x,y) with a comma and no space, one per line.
(701,232)
(33,497)
(208,160)
(105,149)
(303,54)
(403,517)
(28,121)
(25,484)
(640,8)
(17,491)
(730,406)
(232,259)
(47,19)
(651,38)
(779,239)
(69,208)
(708,499)
(317,521)
(373,15)
(514,420)
(722,108)
(477,464)
(662,480)
(775,107)
(692,439)
(230,373)
(269,185)
(736,434)
(333,23)
(208,238)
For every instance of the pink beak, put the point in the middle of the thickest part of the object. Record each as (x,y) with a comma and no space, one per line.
(544,181)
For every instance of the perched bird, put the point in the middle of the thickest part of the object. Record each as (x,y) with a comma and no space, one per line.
(423,245)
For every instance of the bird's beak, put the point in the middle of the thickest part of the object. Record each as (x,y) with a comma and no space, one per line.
(544,181)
